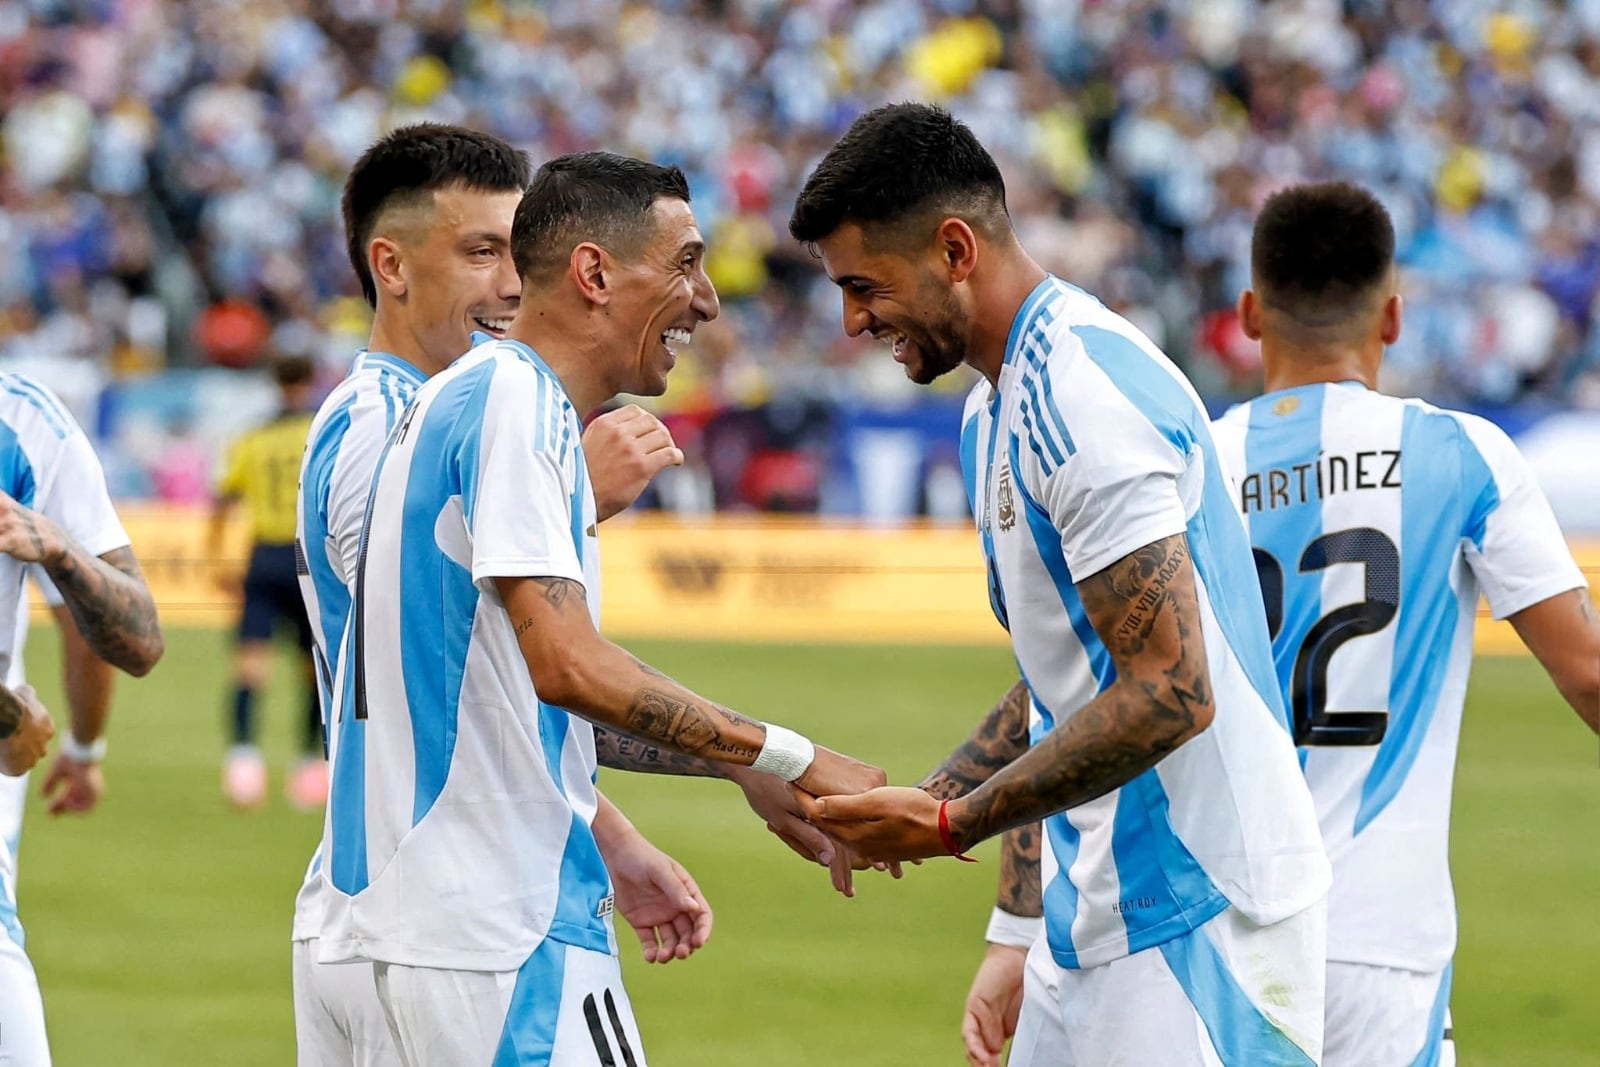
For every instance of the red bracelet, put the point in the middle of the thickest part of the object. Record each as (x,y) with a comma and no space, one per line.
(944,834)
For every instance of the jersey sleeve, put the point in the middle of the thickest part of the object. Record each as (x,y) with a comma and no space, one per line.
(1115,488)
(72,493)
(1514,545)
(518,489)
(343,499)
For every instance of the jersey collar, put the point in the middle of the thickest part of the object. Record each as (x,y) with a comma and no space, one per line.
(367,358)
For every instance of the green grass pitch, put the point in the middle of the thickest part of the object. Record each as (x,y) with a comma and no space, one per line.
(160,924)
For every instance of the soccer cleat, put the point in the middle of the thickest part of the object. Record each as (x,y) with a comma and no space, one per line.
(244,778)
(307,788)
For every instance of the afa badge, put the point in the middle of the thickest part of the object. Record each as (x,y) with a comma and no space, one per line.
(1004,503)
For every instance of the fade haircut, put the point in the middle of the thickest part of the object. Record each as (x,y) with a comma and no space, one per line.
(898,172)
(589,197)
(1322,254)
(405,169)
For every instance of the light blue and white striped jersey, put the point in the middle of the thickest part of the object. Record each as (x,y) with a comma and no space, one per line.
(1376,522)
(459,822)
(1094,446)
(342,451)
(48,465)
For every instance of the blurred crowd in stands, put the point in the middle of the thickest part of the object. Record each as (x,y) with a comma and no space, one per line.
(170,169)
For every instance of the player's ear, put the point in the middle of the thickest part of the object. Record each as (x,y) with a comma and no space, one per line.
(958,248)
(588,266)
(387,264)
(1250,314)
(1393,316)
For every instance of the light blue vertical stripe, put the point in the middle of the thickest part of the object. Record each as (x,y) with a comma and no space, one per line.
(1041,293)
(1217,541)
(16,473)
(1041,429)
(1433,516)
(1241,1034)
(1433,1047)
(968,452)
(1275,441)
(529,1036)
(1055,412)
(333,596)
(1061,896)
(1163,888)
(439,596)
(347,851)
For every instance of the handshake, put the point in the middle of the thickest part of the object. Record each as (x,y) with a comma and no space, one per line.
(842,813)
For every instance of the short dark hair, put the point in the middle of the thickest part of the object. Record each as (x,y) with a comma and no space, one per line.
(898,164)
(410,164)
(589,196)
(1320,252)
(293,370)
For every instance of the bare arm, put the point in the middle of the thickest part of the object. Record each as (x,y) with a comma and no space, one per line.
(573,667)
(106,594)
(1001,737)
(110,604)
(1145,610)
(1020,891)
(1564,633)
(87,679)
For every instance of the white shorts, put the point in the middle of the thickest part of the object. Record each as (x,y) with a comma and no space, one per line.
(565,1008)
(1387,1017)
(1229,993)
(338,1021)
(22,1036)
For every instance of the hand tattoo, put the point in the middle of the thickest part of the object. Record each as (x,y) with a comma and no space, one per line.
(1144,608)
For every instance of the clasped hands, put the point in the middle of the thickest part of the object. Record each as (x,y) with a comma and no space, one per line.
(841,813)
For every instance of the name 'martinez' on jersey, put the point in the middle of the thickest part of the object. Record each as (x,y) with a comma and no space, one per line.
(1376,522)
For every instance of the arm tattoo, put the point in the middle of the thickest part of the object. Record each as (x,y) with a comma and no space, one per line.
(671,719)
(1001,737)
(621,752)
(11,712)
(1145,610)
(1020,892)
(557,591)
(111,606)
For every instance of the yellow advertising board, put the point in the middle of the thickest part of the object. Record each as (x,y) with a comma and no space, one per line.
(721,578)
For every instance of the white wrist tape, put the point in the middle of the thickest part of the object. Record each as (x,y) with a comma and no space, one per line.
(1015,930)
(93,752)
(786,753)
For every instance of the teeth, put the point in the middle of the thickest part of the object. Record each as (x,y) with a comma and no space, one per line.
(501,325)
(676,336)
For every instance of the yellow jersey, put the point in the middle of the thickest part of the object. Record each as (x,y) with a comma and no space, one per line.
(263,469)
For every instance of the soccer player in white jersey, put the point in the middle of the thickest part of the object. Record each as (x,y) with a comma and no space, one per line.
(1184,879)
(1377,522)
(428,211)
(468,853)
(57,523)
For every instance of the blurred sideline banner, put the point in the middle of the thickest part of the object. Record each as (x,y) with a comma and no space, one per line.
(721,578)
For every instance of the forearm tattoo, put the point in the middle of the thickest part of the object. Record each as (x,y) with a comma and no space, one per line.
(1001,737)
(1020,892)
(675,720)
(621,752)
(111,606)
(1145,610)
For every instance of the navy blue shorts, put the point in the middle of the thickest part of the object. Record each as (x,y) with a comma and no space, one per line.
(271,595)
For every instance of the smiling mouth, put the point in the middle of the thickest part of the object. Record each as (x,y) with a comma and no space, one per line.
(497,327)
(675,337)
(897,343)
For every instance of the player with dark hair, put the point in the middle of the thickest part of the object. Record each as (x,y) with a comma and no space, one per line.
(262,471)
(1377,522)
(1184,881)
(470,856)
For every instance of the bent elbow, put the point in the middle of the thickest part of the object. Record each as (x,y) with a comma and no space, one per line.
(146,657)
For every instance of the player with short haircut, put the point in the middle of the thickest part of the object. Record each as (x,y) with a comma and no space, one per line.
(57,523)
(1377,522)
(523,852)
(1184,881)
(262,471)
